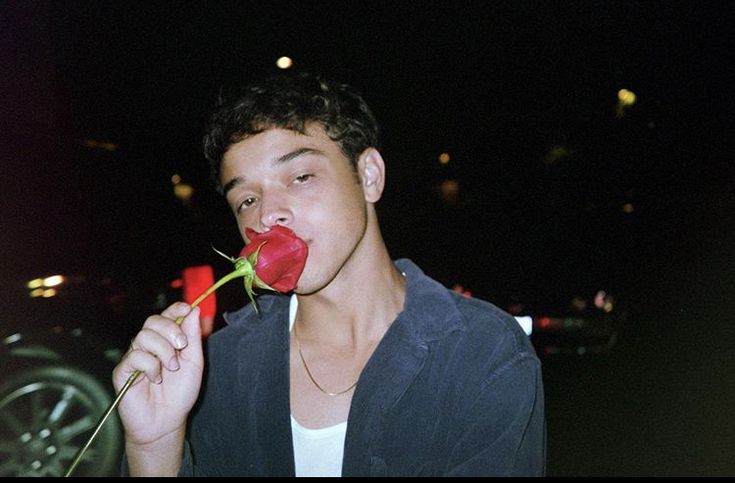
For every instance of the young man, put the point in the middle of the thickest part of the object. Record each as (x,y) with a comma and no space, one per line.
(371,368)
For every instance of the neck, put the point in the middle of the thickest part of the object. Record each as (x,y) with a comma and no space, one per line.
(359,304)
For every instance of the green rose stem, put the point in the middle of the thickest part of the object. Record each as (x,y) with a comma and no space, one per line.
(243,268)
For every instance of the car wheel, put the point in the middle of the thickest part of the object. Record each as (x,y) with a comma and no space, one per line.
(47,414)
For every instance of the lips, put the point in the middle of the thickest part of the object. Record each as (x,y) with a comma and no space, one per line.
(280,256)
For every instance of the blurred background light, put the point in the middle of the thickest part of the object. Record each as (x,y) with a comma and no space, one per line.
(35,283)
(626,97)
(183,191)
(450,190)
(53,281)
(101,145)
(284,62)
(556,153)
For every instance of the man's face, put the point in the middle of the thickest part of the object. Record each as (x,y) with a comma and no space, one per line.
(305,183)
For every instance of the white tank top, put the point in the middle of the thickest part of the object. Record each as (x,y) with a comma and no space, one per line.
(317,452)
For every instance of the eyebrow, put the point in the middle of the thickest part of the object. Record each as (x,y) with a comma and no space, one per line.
(237,180)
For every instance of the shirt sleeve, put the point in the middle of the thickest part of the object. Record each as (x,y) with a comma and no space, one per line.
(504,432)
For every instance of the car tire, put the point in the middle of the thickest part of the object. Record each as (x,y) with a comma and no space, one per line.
(46,414)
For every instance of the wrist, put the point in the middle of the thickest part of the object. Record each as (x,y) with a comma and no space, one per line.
(161,457)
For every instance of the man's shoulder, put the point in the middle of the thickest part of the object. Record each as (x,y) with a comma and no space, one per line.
(441,311)
(482,313)
(493,340)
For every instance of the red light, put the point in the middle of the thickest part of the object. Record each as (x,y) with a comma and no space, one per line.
(196,280)
(177,283)
(544,322)
(461,290)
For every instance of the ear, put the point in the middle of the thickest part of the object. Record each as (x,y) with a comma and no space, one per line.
(371,170)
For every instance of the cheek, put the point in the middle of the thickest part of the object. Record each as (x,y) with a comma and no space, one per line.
(338,232)
(243,221)
(241,228)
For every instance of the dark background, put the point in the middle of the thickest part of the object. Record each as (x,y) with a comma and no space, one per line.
(521,94)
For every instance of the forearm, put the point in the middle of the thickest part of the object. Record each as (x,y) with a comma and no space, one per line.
(161,458)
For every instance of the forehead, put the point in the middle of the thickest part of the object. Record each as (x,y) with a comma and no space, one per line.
(275,142)
(273,148)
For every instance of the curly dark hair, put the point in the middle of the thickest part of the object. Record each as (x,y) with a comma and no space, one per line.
(291,102)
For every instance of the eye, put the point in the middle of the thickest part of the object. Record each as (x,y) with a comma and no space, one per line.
(303,178)
(246,203)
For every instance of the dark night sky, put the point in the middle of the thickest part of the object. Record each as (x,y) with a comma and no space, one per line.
(496,84)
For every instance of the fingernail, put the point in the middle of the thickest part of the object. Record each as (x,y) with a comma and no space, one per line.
(180,341)
(173,364)
(159,379)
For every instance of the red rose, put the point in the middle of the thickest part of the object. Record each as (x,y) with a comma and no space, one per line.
(280,259)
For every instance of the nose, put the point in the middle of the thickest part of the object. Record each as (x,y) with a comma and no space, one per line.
(274,212)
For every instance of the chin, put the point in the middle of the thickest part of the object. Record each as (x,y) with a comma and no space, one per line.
(308,285)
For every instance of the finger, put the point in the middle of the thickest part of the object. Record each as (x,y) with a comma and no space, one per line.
(167,328)
(156,343)
(138,360)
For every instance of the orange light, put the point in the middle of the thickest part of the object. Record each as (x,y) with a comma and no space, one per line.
(450,190)
(183,191)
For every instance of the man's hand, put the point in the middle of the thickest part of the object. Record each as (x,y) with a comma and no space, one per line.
(171,361)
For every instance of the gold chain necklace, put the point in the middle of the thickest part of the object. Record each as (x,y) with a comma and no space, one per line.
(308,372)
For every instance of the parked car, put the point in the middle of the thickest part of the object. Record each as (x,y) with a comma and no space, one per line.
(61,337)
(565,321)
(584,322)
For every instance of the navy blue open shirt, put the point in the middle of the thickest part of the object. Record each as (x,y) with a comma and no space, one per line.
(454,388)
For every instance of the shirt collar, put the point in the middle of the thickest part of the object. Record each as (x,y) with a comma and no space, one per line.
(429,310)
